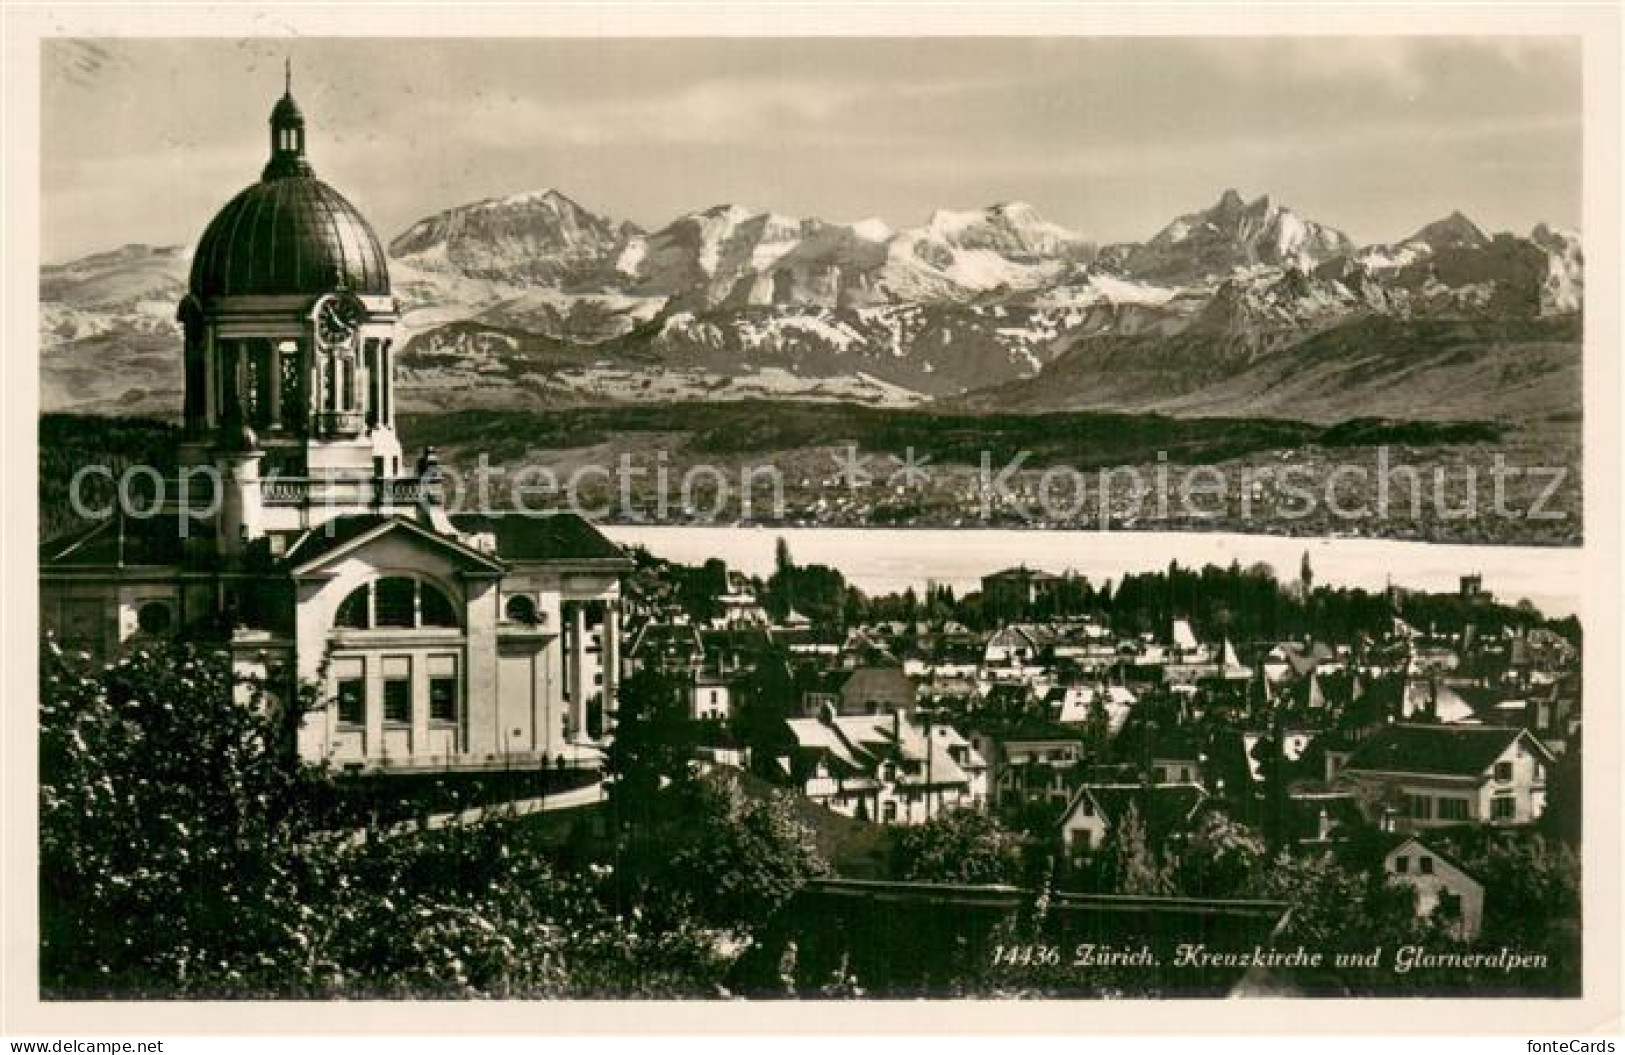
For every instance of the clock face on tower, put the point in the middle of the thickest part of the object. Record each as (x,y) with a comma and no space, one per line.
(337,319)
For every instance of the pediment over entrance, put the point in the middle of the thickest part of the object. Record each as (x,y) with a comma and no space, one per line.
(322,550)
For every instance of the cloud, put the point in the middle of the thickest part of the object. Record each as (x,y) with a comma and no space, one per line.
(708,112)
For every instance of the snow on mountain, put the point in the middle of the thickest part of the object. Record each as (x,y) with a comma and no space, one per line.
(538,237)
(959,254)
(1563,289)
(1235,233)
(532,287)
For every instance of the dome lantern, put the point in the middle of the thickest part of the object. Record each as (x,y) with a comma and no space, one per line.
(287,134)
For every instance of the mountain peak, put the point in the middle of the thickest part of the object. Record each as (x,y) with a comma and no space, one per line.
(536,235)
(1455,231)
(1230,199)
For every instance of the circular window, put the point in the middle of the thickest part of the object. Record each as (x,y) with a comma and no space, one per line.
(154,618)
(521,608)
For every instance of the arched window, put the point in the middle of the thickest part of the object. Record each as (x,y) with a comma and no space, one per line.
(355,613)
(398,602)
(434,608)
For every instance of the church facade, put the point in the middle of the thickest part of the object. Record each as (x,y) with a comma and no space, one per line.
(293,536)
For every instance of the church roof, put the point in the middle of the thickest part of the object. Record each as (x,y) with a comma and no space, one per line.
(540,536)
(122,541)
(339,534)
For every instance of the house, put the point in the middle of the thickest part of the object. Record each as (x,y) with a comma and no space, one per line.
(1016,589)
(739,607)
(867,690)
(1442,886)
(295,540)
(1017,645)
(1320,818)
(1030,766)
(711,698)
(1074,705)
(1290,660)
(1436,775)
(1095,809)
(889,767)
(673,646)
(1176,756)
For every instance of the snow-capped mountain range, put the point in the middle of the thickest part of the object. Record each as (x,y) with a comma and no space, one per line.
(534,299)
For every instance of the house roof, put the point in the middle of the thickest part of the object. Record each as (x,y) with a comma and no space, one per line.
(1020,573)
(1453,750)
(677,638)
(1393,842)
(541,536)
(1164,806)
(858,744)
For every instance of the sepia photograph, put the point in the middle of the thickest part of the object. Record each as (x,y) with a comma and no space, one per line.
(776,517)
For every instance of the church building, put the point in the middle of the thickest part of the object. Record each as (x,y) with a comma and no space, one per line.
(293,536)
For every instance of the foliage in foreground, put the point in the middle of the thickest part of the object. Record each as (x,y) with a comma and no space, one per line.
(177,860)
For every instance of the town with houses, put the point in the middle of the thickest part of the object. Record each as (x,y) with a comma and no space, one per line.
(1060,726)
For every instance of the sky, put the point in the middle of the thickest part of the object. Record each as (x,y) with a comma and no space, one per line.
(142,140)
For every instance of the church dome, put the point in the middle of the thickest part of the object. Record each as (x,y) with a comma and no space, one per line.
(289,234)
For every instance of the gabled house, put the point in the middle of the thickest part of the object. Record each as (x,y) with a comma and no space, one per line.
(1166,810)
(1442,886)
(1437,775)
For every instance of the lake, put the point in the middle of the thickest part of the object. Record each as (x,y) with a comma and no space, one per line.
(878,560)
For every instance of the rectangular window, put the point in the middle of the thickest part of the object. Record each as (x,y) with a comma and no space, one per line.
(1419,807)
(1425,865)
(443,689)
(889,812)
(1503,772)
(398,690)
(350,690)
(1453,810)
(1503,808)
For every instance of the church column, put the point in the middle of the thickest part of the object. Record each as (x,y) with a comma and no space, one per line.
(612,661)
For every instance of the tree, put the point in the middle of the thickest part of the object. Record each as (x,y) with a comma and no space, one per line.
(655,739)
(767,697)
(1131,866)
(960,846)
(1221,858)
(740,859)
(174,825)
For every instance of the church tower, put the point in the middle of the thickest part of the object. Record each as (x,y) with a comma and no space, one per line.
(289,324)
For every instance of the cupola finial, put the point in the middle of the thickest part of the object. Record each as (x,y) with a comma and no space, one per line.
(287,132)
